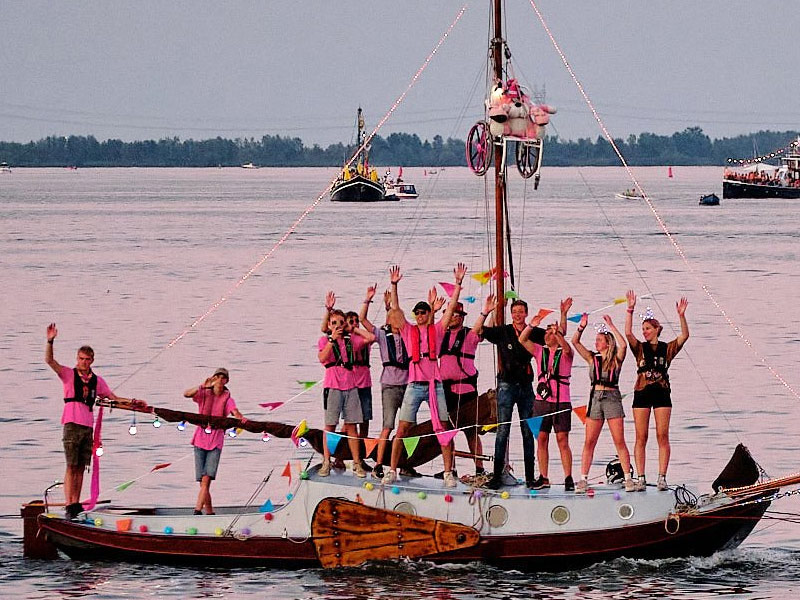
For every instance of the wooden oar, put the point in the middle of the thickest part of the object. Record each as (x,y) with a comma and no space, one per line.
(347,533)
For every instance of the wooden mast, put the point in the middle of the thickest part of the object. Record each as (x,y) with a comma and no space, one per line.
(499,176)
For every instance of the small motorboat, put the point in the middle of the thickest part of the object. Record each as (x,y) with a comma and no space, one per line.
(631,194)
(4,168)
(709,200)
(249,165)
(401,191)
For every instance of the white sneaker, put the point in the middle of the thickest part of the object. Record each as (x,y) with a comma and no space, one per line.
(630,486)
(450,480)
(390,477)
(641,484)
(581,486)
(662,483)
(325,469)
(358,470)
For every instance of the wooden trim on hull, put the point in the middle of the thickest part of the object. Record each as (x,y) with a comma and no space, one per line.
(358,189)
(738,189)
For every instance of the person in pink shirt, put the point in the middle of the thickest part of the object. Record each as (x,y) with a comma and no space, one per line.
(337,352)
(82,387)
(422,340)
(213,399)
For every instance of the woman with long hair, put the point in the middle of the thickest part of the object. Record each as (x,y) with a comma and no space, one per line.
(605,402)
(652,390)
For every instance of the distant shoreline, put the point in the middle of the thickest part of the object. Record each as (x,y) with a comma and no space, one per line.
(690,147)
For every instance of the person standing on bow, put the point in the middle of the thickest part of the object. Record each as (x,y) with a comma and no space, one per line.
(424,378)
(82,387)
(460,378)
(394,376)
(514,384)
(552,401)
(605,401)
(337,352)
(213,399)
(651,391)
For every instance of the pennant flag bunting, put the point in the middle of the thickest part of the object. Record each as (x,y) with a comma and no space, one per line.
(124,524)
(446,437)
(511,295)
(124,486)
(369,446)
(267,507)
(448,288)
(483,277)
(543,312)
(271,405)
(332,440)
(287,472)
(470,299)
(494,274)
(299,431)
(489,427)
(580,412)
(411,444)
(575,318)
(619,300)
(161,466)
(307,384)
(534,424)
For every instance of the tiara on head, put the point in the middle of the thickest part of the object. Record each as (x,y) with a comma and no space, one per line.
(648,314)
(601,328)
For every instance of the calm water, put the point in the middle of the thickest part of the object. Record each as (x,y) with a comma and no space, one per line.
(127,259)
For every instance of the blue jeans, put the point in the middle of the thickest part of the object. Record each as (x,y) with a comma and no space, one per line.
(509,394)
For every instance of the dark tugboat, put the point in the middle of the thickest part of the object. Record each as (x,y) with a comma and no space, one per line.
(358,181)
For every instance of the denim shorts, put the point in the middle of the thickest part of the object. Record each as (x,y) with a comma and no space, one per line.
(606,404)
(342,403)
(416,394)
(365,396)
(391,399)
(206,462)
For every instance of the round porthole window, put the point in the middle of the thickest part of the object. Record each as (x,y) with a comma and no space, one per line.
(497,515)
(625,511)
(406,508)
(560,515)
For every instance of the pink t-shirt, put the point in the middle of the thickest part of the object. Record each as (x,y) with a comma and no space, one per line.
(564,370)
(338,377)
(426,369)
(362,373)
(448,364)
(78,412)
(215,406)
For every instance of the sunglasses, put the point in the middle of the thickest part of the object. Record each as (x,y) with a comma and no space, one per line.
(421,312)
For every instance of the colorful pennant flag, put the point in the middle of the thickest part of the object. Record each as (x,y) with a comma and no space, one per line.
(470,299)
(299,431)
(124,524)
(511,295)
(124,486)
(534,424)
(369,446)
(271,405)
(580,412)
(267,507)
(483,277)
(307,384)
(448,288)
(160,466)
(543,312)
(445,437)
(332,440)
(411,444)
(619,300)
(575,318)
(489,427)
(287,472)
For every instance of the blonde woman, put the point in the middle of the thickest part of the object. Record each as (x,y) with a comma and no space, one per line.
(605,403)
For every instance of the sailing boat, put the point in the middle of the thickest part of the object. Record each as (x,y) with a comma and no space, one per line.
(358,181)
(341,520)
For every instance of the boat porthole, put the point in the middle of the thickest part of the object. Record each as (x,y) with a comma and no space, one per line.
(672,523)
(406,508)
(560,515)
(625,511)
(497,515)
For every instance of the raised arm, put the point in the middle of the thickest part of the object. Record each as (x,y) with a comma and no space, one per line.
(562,341)
(362,315)
(621,347)
(524,337)
(368,336)
(394,279)
(681,307)
(631,297)
(326,353)
(566,304)
(459,272)
(52,333)
(576,340)
(488,306)
(330,302)
(192,391)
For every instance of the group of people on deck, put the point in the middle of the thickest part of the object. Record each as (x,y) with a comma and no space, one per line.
(433,361)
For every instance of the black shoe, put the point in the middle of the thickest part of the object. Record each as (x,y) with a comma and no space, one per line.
(539,483)
(366,467)
(495,483)
(440,474)
(71,511)
(569,484)
(480,471)
(409,472)
(378,471)
(197,512)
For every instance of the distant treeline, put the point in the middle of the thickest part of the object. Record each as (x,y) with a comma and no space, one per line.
(688,147)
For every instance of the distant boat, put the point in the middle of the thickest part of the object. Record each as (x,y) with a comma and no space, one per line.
(359,183)
(4,168)
(249,165)
(629,195)
(761,180)
(709,200)
(397,188)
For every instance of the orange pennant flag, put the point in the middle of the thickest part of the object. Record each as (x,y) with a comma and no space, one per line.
(543,312)
(580,412)
(369,446)
(287,472)
(161,466)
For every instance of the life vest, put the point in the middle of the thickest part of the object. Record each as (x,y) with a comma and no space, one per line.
(392,359)
(654,363)
(600,377)
(546,373)
(416,355)
(85,392)
(361,358)
(342,361)
(457,350)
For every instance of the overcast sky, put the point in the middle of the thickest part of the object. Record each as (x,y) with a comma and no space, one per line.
(147,69)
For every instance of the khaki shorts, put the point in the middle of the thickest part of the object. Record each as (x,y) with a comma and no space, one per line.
(344,403)
(77,444)
(391,399)
(606,404)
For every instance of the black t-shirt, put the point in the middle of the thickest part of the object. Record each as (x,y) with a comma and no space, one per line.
(515,360)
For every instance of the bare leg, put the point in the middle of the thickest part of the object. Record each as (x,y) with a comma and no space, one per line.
(593,428)
(380,457)
(641,417)
(204,496)
(662,416)
(447,451)
(73,482)
(542,447)
(351,429)
(562,438)
(397,445)
(363,429)
(617,428)
(326,453)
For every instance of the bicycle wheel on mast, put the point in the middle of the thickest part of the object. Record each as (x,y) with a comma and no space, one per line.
(479,142)
(529,158)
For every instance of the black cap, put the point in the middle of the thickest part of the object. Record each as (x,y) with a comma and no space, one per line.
(422,306)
